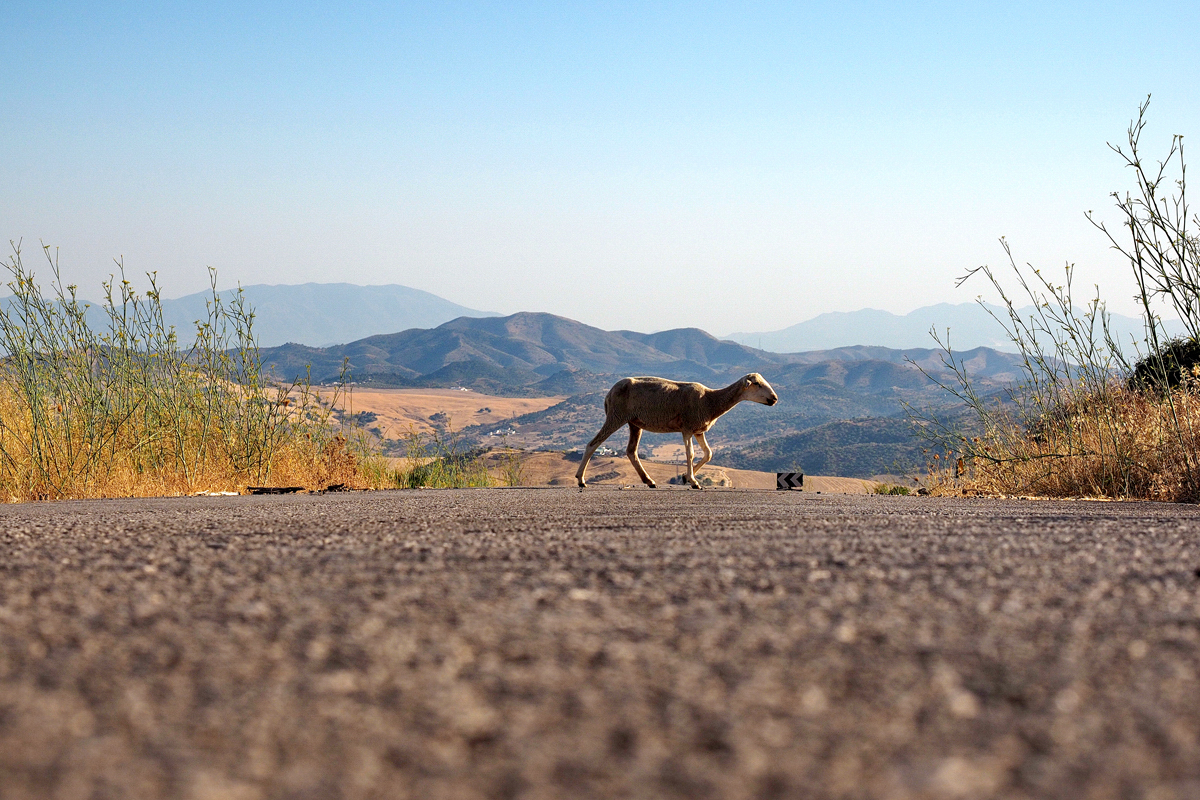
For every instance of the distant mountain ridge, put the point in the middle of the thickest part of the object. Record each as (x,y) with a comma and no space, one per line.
(312,314)
(325,313)
(518,351)
(970,326)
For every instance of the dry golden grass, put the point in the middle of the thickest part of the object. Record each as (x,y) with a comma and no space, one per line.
(1082,420)
(1115,443)
(60,461)
(118,403)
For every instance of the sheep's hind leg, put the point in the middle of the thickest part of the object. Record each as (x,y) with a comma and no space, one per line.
(635,436)
(689,453)
(707,451)
(610,427)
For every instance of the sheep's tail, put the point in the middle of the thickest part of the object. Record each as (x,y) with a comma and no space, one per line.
(620,387)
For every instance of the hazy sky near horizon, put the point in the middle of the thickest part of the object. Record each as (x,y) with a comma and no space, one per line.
(735,167)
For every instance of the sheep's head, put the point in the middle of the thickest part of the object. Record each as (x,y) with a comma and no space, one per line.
(756,389)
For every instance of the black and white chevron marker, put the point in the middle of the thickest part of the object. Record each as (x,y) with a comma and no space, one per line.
(789,480)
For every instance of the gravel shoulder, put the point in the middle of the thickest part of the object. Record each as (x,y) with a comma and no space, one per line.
(542,643)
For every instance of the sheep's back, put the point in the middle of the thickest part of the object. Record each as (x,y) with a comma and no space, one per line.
(659,405)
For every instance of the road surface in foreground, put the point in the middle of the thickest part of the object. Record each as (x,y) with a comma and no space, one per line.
(551,643)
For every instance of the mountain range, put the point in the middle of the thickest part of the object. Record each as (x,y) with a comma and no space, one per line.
(325,313)
(970,326)
(317,314)
(544,354)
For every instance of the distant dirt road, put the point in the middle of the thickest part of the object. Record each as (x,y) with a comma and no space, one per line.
(525,643)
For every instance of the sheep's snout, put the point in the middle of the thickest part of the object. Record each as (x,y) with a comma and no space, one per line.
(756,389)
(762,394)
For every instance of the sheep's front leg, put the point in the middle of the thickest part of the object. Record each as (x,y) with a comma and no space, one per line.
(635,436)
(690,453)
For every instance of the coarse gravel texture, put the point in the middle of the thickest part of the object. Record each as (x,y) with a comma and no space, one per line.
(524,643)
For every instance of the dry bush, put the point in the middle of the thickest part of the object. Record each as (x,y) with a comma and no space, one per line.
(337,460)
(1126,444)
(122,408)
(1084,421)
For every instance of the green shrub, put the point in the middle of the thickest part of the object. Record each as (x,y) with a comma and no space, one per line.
(1175,363)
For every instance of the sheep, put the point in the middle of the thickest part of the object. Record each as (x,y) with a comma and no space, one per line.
(660,405)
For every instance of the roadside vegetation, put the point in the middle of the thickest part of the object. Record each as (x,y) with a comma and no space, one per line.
(512,465)
(111,402)
(1092,416)
(440,460)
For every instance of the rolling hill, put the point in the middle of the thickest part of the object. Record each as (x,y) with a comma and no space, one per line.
(855,448)
(531,353)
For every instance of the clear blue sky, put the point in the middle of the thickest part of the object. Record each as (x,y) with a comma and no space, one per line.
(641,165)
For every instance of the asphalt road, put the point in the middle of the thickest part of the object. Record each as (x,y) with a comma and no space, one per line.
(548,643)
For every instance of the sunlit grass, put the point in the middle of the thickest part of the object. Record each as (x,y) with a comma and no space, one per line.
(124,408)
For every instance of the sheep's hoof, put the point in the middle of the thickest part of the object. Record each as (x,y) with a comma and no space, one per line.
(652,484)
(582,485)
